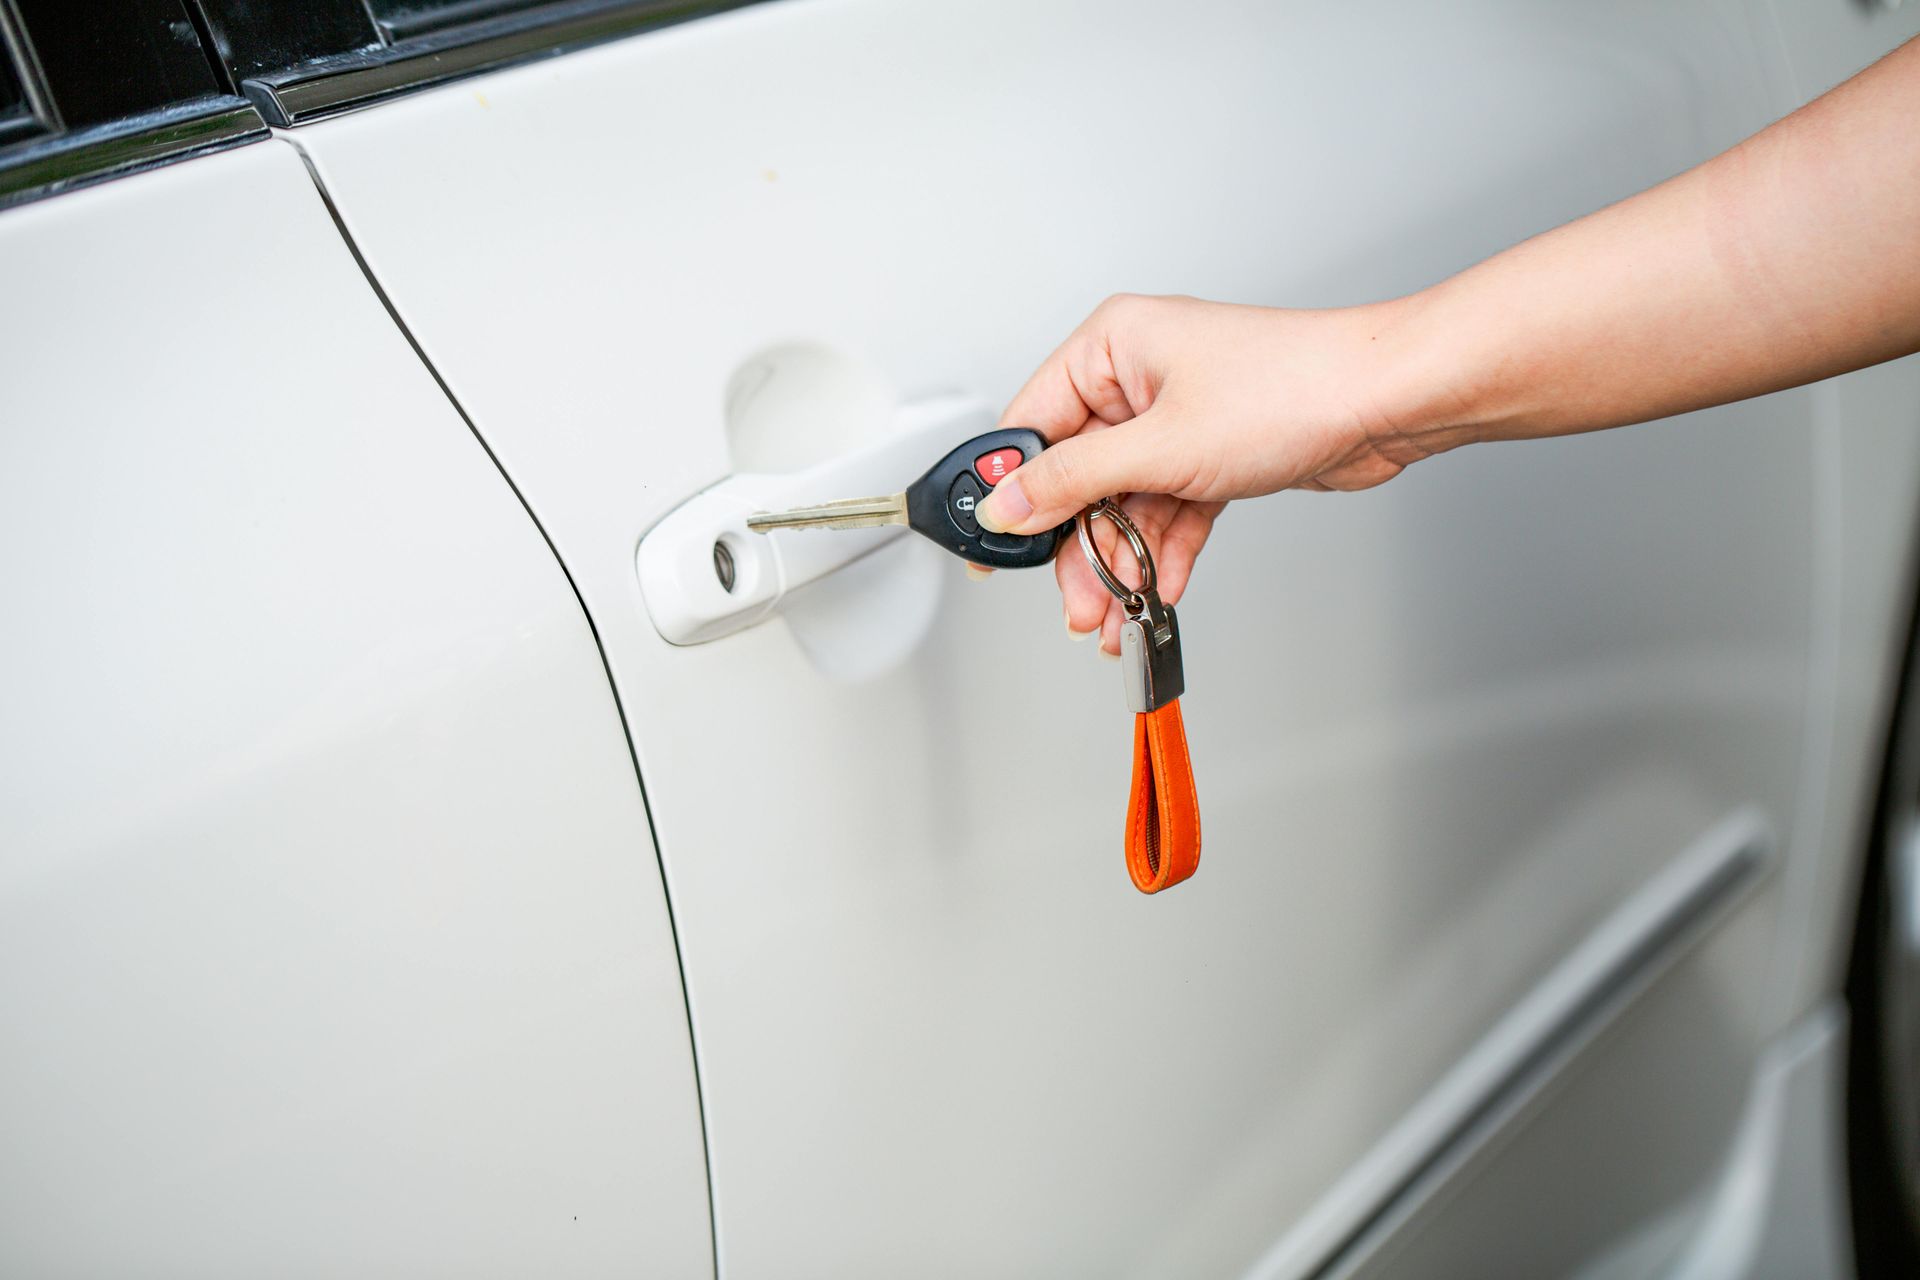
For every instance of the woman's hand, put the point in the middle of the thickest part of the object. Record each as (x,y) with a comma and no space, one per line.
(1182,405)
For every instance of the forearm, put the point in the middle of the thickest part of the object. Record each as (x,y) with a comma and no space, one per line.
(1793,257)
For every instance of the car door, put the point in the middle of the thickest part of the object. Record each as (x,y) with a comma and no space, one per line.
(332,938)
(1494,758)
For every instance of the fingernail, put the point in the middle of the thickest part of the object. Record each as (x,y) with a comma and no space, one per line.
(1005,507)
(976,574)
(1075,636)
(1110,657)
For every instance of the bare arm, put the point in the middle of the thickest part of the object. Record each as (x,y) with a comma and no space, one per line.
(1793,257)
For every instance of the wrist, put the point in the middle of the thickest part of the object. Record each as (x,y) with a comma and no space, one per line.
(1436,376)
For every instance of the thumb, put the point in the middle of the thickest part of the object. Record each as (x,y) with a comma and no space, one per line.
(1077,472)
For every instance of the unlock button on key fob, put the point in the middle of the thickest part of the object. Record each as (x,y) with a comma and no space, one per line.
(962,498)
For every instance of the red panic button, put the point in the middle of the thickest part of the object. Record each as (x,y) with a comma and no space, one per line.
(993,467)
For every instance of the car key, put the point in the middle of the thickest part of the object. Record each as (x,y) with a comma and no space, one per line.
(940,505)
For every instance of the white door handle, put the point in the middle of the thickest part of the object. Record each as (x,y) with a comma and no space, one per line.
(680,559)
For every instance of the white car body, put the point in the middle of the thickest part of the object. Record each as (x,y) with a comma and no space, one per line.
(382,893)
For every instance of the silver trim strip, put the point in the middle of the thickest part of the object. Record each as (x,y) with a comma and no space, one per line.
(1588,988)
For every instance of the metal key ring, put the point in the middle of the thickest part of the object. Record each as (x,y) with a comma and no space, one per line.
(1133,598)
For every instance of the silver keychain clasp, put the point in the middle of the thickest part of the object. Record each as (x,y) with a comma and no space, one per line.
(1150,637)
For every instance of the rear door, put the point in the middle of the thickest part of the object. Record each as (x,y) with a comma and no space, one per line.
(1472,749)
(332,938)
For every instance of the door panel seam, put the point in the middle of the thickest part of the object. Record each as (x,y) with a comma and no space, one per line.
(599,646)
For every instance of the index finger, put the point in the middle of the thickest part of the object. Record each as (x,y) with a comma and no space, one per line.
(1049,403)
(1075,386)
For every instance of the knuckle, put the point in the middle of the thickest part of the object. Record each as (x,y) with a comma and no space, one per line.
(1118,306)
(1138,315)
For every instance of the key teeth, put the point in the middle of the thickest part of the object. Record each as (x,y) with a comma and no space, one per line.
(847,513)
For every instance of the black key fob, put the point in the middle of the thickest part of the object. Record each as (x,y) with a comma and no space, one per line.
(941,504)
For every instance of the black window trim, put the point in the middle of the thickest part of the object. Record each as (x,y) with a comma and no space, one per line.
(33,168)
(67,161)
(317,91)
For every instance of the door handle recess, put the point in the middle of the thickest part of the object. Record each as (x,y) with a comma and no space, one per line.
(686,560)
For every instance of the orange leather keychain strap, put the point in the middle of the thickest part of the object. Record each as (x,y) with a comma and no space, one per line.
(1163,813)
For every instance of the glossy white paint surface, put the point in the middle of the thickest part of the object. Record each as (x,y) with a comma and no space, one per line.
(332,940)
(1443,729)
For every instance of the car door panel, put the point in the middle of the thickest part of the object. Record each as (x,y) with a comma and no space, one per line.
(1444,731)
(332,939)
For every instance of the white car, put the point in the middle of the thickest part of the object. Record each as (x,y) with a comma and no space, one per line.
(421,853)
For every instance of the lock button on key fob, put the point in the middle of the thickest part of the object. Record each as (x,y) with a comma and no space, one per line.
(962,499)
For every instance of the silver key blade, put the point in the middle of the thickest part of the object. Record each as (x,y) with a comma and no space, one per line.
(849,513)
